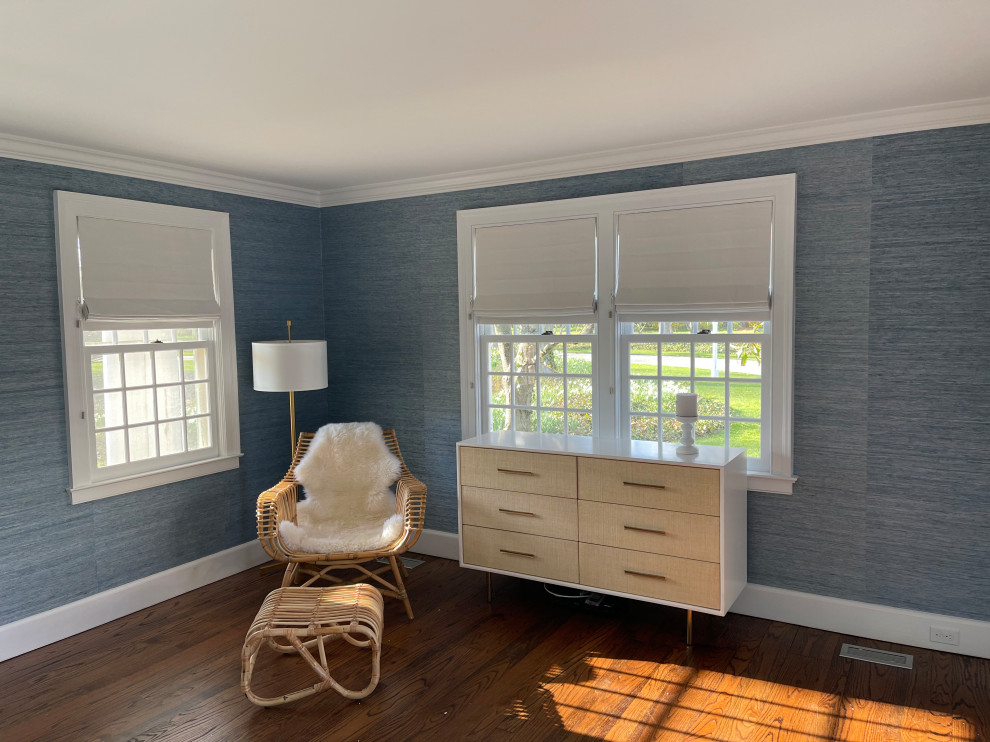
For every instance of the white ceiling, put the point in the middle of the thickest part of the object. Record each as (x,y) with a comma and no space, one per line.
(326,94)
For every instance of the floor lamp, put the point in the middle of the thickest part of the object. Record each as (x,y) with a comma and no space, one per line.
(290,366)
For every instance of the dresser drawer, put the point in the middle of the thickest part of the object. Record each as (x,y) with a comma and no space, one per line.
(538,556)
(522,512)
(646,529)
(665,486)
(651,575)
(519,471)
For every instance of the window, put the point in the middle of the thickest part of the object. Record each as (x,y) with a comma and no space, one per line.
(643,295)
(147,317)
(539,378)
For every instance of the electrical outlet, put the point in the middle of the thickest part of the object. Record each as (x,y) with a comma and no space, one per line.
(944,635)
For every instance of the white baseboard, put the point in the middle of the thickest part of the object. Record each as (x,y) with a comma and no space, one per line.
(51,626)
(438,544)
(897,625)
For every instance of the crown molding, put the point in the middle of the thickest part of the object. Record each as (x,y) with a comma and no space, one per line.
(895,121)
(52,153)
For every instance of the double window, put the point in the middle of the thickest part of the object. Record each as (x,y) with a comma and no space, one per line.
(147,319)
(589,316)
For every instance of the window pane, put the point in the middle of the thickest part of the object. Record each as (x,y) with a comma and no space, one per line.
(524,357)
(552,392)
(552,358)
(167,367)
(165,336)
(194,364)
(579,423)
(98,337)
(169,402)
(710,433)
(130,337)
(668,401)
(586,329)
(579,358)
(746,435)
(748,327)
(110,450)
(671,430)
(669,328)
(643,428)
(745,360)
(645,328)
(643,396)
(140,406)
(198,433)
(142,442)
(108,410)
(499,356)
(552,422)
(501,418)
(643,359)
(197,399)
(106,371)
(579,394)
(137,367)
(676,359)
(498,392)
(526,420)
(744,400)
(711,398)
(170,437)
(525,391)
(709,359)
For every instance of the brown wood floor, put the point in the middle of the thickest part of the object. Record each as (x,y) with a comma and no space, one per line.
(522,668)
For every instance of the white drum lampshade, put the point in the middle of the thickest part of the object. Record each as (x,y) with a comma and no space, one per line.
(290,366)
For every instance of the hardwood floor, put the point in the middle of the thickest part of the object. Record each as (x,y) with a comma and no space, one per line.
(521,668)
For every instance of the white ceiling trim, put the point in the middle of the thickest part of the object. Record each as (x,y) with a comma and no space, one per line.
(36,150)
(895,121)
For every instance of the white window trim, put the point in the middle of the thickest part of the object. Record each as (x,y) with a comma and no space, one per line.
(85,485)
(606,209)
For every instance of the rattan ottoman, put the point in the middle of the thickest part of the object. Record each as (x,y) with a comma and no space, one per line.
(296,619)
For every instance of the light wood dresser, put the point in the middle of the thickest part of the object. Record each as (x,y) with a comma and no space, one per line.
(626,518)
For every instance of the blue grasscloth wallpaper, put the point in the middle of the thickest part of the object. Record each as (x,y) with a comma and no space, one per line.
(55,552)
(891,369)
(891,356)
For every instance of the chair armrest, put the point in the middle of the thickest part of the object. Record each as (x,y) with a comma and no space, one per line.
(274,506)
(410,503)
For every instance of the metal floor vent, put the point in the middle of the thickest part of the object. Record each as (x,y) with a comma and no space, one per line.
(408,561)
(877,656)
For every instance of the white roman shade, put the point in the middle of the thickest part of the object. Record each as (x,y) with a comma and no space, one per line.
(703,262)
(539,270)
(140,270)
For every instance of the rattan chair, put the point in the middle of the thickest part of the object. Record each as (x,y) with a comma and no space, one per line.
(303,569)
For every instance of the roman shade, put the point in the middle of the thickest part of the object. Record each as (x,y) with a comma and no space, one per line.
(537,270)
(705,262)
(138,270)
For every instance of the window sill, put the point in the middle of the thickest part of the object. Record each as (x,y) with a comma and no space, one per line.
(109,488)
(773,484)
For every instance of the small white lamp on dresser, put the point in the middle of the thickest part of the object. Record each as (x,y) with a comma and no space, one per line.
(626,518)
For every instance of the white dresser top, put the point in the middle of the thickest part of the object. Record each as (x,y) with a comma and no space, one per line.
(708,456)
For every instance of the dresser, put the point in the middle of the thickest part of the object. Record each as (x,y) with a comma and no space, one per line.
(626,518)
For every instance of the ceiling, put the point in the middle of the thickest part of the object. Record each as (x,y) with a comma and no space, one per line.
(329,95)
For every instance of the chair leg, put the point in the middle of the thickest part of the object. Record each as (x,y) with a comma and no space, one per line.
(401,592)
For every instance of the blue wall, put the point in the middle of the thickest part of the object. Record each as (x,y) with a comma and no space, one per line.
(891,369)
(55,552)
(891,356)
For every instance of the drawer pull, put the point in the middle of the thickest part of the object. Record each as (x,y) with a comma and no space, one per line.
(517,471)
(640,484)
(516,512)
(518,553)
(645,530)
(644,574)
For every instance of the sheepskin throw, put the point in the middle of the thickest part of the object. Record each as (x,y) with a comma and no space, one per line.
(346,475)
